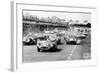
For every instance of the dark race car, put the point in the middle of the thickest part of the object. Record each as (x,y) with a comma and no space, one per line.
(30,41)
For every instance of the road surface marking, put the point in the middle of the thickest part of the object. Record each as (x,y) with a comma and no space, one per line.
(71,53)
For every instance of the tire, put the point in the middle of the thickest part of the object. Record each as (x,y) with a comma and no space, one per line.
(59,42)
(38,49)
(54,47)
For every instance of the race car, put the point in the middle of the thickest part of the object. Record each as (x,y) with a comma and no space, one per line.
(30,41)
(71,40)
(44,44)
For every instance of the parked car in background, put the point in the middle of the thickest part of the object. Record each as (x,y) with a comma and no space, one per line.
(81,36)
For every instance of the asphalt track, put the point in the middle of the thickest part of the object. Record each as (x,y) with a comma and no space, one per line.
(64,52)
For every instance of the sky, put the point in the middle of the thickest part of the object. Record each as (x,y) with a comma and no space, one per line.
(63,15)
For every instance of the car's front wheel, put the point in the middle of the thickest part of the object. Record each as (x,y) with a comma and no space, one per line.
(54,48)
(38,49)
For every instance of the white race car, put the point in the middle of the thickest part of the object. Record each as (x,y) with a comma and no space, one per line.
(71,40)
(45,44)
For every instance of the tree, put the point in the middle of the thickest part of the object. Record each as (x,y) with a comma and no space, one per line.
(57,20)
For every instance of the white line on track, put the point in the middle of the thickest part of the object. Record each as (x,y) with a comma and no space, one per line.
(71,53)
